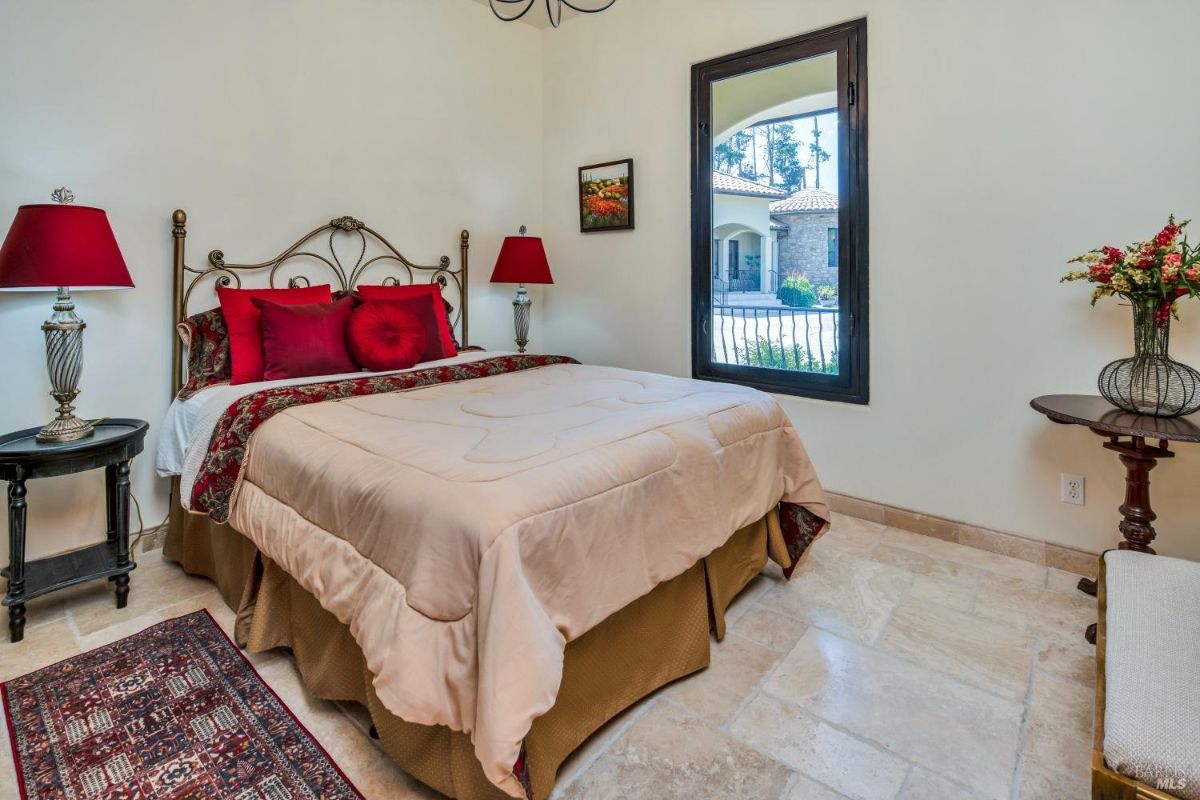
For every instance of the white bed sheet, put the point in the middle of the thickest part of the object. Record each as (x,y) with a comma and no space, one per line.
(188,427)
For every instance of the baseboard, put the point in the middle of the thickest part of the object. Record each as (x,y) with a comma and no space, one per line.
(1071,559)
(152,538)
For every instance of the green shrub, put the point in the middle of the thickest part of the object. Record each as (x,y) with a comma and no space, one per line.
(827,292)
(797,291)
(795,360)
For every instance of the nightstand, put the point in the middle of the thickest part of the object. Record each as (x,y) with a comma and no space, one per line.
(22,458)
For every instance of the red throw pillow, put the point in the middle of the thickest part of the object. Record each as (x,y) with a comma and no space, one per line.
(386,335)
(245,332)
(427,301)
(303,340)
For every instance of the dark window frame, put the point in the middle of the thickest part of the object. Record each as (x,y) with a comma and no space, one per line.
(851,385)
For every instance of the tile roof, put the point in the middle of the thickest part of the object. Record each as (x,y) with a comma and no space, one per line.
(806,200)
(724,183)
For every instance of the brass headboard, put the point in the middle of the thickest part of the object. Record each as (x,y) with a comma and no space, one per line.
(226,274)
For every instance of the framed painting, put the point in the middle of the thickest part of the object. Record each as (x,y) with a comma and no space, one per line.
(606,196)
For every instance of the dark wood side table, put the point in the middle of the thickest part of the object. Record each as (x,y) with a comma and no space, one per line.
(22,458)
(1126,434)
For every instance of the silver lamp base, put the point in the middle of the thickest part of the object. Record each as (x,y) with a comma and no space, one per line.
(64,360)
(521,306)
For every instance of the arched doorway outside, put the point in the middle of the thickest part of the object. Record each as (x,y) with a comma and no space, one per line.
(743,257)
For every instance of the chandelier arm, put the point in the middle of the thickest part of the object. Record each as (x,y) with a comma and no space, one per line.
(517,16)
(574,7)
(551,6)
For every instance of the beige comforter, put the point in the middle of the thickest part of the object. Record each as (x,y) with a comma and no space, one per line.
(466,532)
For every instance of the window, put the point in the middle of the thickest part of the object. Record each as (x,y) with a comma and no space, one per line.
(779,216)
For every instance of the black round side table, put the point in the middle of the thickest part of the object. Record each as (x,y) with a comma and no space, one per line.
(22,458)
(1126,434)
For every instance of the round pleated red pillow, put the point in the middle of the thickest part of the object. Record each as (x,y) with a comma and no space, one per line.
(384,336)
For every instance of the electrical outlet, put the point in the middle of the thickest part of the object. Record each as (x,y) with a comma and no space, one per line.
(1072,489)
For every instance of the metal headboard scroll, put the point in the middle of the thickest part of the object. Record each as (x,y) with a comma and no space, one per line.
(219,272)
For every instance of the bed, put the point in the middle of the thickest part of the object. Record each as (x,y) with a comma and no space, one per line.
(493,553)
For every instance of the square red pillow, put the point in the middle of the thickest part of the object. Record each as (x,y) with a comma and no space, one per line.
(303,340)
(245,332)
(427,302)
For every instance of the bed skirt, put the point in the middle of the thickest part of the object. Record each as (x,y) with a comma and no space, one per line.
(659,638)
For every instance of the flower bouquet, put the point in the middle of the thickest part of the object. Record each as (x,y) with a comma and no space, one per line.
(1153,276)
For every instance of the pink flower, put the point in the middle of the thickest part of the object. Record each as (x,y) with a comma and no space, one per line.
(1167,236)
(1101,272)
(1169,274)
(1163,315)
(1192,273)
(1172,259)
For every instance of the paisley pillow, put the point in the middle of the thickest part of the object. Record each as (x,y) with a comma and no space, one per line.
(206,340)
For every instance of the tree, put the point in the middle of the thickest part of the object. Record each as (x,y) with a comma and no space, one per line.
(770,152)
(753,172)
(730,155)
(784,153)
(769,130)
(817,154)
(726,158)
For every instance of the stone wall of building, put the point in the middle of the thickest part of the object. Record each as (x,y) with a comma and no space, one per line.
(805,248)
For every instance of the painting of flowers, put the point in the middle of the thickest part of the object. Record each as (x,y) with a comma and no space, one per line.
(606,196)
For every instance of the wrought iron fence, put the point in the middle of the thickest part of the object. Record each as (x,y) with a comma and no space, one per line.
(720,292)
(796,339)
(746,282)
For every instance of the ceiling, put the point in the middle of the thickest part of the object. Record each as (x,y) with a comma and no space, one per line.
(537,15)
(795,88)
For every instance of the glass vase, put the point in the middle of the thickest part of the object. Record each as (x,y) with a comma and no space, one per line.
(1151,382)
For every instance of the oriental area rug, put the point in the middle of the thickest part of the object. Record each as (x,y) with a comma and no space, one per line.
(173,712)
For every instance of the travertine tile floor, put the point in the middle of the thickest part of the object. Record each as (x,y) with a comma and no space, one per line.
(893,665)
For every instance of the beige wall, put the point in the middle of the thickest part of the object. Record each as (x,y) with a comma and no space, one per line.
(987,171)
(1005,138)
(263,119)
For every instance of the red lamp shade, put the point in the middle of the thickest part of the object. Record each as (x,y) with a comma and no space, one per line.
(52,245)
(522,259)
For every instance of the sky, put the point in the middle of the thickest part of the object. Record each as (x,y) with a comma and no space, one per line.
(827,124)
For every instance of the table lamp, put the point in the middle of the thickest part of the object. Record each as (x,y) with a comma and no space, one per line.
(59,247)
(522,260)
